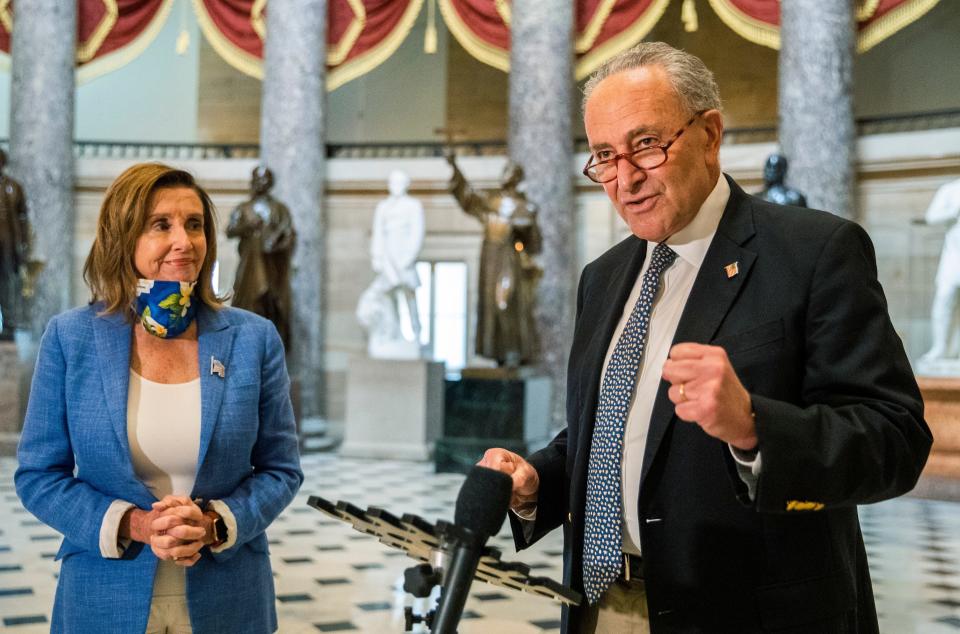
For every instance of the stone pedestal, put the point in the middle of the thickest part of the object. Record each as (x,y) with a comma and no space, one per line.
(484,411)
(941,476)
(394,408)
(11,402)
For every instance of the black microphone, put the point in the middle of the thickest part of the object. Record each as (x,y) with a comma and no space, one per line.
(481,508)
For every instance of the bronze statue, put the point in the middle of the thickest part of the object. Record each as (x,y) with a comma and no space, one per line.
(15,269)
(774,172)
(267,240)
(508,272)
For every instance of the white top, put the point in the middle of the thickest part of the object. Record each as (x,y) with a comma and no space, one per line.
(163,428)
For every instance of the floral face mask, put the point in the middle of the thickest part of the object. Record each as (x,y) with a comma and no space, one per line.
(165,308)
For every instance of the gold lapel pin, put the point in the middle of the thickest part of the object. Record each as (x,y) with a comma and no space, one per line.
(732,269)
(217,368)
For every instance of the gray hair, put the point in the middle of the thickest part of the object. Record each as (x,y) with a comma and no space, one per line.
(691,79)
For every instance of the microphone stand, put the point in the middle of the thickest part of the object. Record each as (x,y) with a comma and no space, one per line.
(465,547)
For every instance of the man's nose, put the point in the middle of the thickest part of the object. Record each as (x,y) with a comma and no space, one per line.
(629,176)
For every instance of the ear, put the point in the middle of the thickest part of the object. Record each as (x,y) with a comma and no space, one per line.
(713,135)
(713,128)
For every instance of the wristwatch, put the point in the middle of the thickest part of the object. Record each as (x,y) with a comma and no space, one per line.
(219,528)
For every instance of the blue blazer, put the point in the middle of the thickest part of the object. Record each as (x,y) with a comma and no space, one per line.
(74,461)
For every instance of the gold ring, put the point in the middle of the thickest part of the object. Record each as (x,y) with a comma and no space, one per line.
(683,395)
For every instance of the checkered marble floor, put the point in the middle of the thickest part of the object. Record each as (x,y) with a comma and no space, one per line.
(331,578)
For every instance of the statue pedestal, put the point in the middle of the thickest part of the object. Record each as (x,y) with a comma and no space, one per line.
(941,475)
(11,403)
(394,408)
(938,367)
(492,408)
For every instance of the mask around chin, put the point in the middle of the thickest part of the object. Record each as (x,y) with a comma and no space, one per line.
(166,308)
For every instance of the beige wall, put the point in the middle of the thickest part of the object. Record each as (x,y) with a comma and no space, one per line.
(898,176)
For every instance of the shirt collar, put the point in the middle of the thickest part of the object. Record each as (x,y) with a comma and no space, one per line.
(691,242)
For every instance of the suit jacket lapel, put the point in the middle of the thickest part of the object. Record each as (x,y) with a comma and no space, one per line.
(112,334)
(710,299)
(215,339)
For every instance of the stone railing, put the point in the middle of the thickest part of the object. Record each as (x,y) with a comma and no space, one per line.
(909,122)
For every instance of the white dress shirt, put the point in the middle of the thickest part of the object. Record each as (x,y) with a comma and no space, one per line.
(690,244)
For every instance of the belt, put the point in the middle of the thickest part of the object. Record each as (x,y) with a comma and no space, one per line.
(632,567)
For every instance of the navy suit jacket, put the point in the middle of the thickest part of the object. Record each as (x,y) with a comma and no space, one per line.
(74,461)
(839,419)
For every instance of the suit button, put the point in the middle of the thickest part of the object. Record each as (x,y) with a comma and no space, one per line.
(570,518)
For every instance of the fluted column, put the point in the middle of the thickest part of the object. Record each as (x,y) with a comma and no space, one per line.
(817,133)
(292,138)
(541,107)
(41,143)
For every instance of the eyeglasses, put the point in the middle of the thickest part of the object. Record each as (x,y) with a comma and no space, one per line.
(646,158)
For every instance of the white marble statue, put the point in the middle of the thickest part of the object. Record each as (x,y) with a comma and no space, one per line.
(945,208)
(388,308)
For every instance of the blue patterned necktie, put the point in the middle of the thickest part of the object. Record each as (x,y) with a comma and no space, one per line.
(602,548)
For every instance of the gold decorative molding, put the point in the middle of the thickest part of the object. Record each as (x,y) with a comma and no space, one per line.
(87,50)
(338,54)
(123,56)
(622,41)
(369,60)
(586,39)
(483,51)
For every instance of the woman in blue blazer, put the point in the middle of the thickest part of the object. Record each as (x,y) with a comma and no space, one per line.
(159,436)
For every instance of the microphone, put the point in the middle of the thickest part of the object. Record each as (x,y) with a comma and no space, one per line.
(481,508)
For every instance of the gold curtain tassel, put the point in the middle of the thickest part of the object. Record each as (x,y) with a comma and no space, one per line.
(688,13)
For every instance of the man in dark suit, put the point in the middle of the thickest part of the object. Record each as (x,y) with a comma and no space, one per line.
(735,389)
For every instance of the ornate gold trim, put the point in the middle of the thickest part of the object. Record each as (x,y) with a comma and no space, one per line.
(866,9)
(746,27)
(369,60)
(889,23)
(87,50)
(504,10)
(6,18)
(339,53)
(486,53)
(257,20)
(586,39)
(622,41)
(123,56)
(231,53)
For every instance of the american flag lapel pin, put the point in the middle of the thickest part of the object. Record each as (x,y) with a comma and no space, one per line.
(217,368)
(732,269)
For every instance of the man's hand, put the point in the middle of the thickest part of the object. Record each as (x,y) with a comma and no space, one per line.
(526,480)
(706,391)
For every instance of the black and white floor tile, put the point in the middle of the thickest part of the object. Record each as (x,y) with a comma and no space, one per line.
(330,578)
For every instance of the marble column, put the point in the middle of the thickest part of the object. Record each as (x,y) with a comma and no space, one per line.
(817,132)
(41,143)
(292,141)
(541,108)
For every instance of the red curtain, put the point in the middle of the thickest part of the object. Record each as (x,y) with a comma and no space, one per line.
(360,33)
(603,28)
(108,31)
(759,20)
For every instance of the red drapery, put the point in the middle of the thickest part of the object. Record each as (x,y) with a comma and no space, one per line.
(360,33)
(603,28)
(110,33)
(759,20)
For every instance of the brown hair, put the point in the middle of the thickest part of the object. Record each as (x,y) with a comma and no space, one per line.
(109,270)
